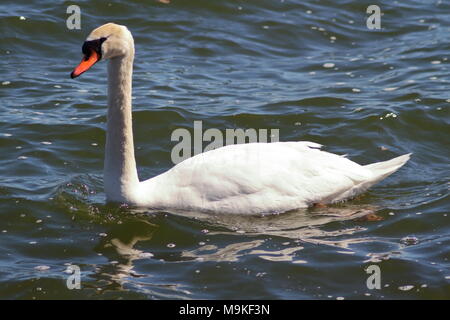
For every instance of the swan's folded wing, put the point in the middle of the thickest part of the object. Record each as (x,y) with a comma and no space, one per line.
(260,177)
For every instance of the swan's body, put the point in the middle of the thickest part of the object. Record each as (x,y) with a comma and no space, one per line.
(244,179)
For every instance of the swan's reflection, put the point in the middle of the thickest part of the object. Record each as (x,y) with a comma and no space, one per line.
(246,235)
(300,226)
(119,246)
(229,253)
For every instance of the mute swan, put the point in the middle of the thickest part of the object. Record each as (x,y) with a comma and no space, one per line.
(243,179)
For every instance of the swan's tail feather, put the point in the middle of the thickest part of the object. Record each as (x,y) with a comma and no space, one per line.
(385,168)
(380,170)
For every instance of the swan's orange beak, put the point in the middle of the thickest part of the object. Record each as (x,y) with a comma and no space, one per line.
(85,64)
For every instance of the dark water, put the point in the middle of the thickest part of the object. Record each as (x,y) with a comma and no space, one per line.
(311,69)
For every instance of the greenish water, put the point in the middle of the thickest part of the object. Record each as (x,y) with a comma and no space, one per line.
(311,69)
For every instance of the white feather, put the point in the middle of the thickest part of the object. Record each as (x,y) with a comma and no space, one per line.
(261,178)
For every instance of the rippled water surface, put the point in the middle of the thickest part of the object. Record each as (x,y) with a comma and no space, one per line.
(311,69)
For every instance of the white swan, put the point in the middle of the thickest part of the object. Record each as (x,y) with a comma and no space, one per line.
(243,179)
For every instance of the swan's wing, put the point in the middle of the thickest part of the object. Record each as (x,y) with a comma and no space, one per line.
(258,177)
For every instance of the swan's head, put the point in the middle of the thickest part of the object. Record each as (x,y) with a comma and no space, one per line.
(106,42)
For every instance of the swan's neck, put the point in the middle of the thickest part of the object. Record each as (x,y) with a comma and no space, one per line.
(120,174)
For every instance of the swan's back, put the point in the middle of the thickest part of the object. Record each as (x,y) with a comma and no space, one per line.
(259,178)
